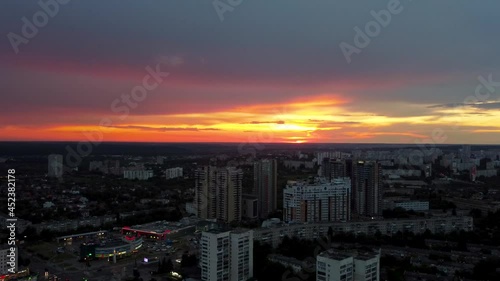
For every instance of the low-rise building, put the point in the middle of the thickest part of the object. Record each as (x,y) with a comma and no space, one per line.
(137,174)
(486,173)
(273,234)
(173,173)
(296,164)
(401,172)
(469,204)
(295,264)
(333,265)
(417,206)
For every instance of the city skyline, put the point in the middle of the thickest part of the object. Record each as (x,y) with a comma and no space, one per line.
(234,79)
(241,140)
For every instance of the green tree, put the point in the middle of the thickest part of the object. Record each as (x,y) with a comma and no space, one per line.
(169,266)
(330,232)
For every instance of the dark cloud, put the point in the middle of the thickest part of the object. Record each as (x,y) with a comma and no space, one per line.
(329,122)
(266,122)
(165,129)
(447,105)
(488,105)
(480,105)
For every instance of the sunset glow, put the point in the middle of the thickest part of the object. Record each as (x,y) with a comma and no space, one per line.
(240,82)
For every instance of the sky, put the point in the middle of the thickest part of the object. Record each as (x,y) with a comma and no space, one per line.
(250,71)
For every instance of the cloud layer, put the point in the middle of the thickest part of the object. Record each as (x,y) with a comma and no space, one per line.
(271,67)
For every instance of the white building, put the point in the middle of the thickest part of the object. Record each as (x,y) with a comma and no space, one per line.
(137,174)
(241,265)
(214,258)
(367,267)
(173,173)
(48,205)
(333,265)
(320,201)
(191,208)
(226,255)
(55,166)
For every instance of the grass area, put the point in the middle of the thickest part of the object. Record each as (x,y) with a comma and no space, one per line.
(63,257)
(44,250)
(127,259)
(42,247)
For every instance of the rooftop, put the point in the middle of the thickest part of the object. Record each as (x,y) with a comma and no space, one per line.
(217,231)
(335,255)
(158,227)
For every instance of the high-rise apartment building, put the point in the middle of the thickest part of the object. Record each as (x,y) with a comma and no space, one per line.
(265,186)
(226,255)
(229,189)
(466,153)
(367,189)
(55,166)
(333,168)
(241,266)
(320,201)
(205,186)
(334,267)
(218,193)
(325,169)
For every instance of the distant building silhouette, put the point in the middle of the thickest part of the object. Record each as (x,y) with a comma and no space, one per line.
(367,189)
(218,193)
(55,166)
(173,173)
(333,168)
(266,186)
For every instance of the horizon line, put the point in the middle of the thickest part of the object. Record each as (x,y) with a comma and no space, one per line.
(271,143)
